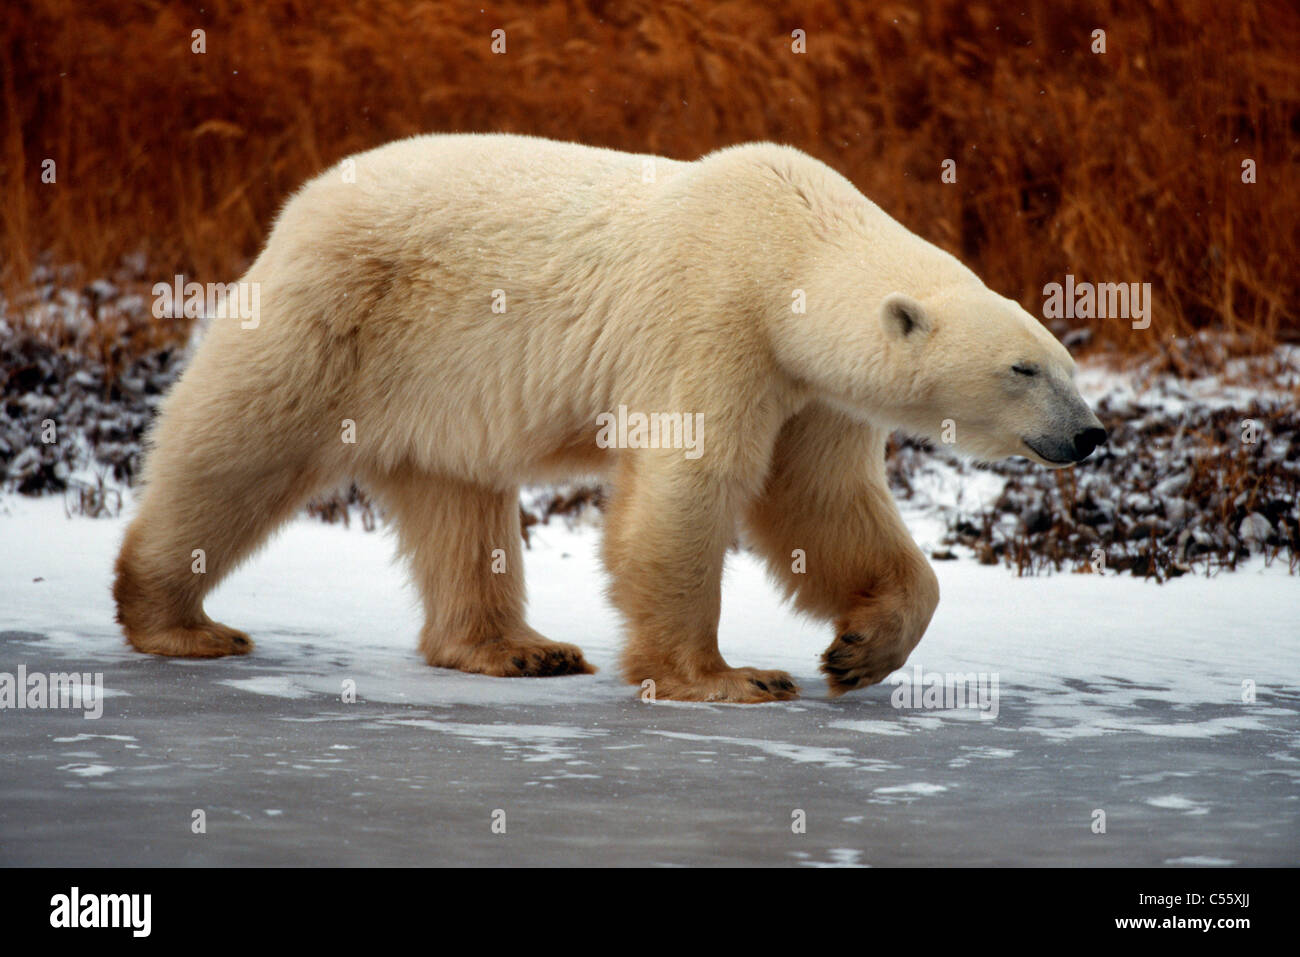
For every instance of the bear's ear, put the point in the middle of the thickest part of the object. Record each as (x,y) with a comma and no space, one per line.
(904,317)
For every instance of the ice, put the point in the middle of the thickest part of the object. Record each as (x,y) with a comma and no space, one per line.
(1174,707)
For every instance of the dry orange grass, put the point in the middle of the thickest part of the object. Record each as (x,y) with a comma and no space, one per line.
(1117,167)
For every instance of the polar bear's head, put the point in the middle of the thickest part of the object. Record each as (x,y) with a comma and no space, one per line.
(886,326)
(974,370)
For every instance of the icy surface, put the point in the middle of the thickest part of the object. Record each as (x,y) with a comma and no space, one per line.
(1114,695)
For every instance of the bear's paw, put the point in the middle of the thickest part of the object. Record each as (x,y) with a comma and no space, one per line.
(208,640)
(526,656)
(729,685)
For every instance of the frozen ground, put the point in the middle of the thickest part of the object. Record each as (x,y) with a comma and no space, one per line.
(1113,695)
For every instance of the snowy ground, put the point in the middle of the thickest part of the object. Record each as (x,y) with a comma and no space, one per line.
(1113,695)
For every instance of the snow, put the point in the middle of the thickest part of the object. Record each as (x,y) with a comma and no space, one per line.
(1269,378)
(321,589)
(1080,660)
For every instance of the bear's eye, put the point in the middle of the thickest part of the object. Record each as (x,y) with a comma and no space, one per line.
(1022,368)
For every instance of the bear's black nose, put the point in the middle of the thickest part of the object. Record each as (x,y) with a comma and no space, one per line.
(1087,440)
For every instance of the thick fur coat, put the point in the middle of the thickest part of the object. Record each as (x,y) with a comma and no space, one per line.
(448,317)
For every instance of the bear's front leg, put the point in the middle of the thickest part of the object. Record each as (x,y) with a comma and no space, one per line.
(666,535)
(880,629)
(831,533)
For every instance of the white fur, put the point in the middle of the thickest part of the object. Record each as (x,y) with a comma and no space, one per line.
(637,281)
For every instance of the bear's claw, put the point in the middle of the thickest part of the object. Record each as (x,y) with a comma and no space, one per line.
(853,661)
(207,640)
(734,685)
(525,656)
(545,663)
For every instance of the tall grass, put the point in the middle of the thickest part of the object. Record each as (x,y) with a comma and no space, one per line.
(1122,166)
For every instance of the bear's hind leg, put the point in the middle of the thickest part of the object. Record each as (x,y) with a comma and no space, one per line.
(194,526)
(464,546)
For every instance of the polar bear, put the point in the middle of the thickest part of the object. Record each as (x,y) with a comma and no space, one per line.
(448,317)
